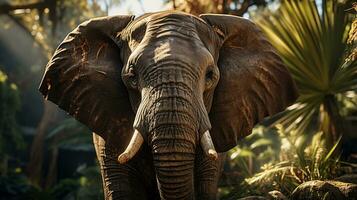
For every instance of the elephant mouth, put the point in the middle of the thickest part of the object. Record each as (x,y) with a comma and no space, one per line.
(137,141)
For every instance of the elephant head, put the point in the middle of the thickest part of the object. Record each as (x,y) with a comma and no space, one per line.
(181,82)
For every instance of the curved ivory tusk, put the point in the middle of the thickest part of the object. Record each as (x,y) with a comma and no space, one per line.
(134,145)
(207,145)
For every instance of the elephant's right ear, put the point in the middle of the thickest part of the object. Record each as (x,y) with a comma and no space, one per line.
(254,82)
(84,75)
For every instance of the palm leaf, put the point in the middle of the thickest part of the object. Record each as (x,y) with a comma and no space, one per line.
(313,45)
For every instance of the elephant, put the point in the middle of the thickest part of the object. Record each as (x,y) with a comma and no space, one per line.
(166,94)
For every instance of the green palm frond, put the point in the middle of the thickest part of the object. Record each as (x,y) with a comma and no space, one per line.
(312,41)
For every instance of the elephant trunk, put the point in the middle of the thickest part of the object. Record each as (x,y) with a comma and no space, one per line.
(173,117)
(173,135)
(174,162)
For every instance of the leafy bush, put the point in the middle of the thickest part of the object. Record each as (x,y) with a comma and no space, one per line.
(86,185)
(10,136)
(262,146)
(283,161)
(300,161)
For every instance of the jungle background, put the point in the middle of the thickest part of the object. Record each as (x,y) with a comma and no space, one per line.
(311,146)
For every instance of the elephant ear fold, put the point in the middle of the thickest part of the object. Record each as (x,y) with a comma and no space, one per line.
(254,82)
(84,76)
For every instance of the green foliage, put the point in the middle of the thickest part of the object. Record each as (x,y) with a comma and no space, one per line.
(10,136)
(70,134)
(294,159)
(313,45)
(47,22)
(86,185)
(300,162)
(262,146)
(9,105)
(352,36)
(49,26)
(90,184)
(14,186)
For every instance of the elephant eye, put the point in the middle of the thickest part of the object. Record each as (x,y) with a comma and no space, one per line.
(131,71)
(209,75)
(131,77)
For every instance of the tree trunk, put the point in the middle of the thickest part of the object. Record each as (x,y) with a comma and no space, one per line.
(34,167)
(4,165)
(51,177)
(331,122)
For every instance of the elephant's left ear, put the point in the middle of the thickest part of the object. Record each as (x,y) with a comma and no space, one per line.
(254,82)
(84,76)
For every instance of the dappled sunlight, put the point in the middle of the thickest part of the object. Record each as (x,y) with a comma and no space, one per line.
(306,151)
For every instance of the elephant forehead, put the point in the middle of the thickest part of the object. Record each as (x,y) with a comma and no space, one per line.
(173,25)
(171,52)
(155,27)
(152,51)
(163,36)
(178,25)
(181,16)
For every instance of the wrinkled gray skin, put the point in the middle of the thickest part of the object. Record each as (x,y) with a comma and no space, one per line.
(170,64)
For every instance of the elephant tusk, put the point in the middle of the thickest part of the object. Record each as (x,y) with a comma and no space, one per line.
(207,145)
(134,145)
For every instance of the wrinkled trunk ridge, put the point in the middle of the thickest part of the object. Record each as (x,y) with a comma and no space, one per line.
(173,134)
(174,162)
